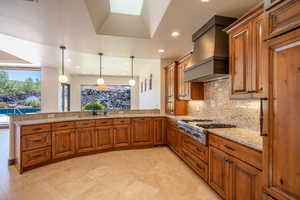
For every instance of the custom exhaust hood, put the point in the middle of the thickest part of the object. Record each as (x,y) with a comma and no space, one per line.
(210,55)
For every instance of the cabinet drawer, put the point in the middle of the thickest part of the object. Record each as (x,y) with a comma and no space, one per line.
(196,164)
(35,129)
(121,121)
(239,151)
(104,122)
(63,125)
(85,123)
(283,17)
(34,157)
(195,147)
(35,141)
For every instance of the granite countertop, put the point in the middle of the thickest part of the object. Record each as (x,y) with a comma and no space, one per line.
(243,136)
(91,117)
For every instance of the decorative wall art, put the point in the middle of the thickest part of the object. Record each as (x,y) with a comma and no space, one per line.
(150,82)
(145,84)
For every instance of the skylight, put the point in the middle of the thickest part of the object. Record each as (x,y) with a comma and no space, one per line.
(128,7)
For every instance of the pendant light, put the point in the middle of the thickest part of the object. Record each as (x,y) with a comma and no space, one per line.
(132,81)
(63,78)
(100,80)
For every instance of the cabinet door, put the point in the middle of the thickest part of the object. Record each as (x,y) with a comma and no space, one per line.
(240,60)
(259,72)
(245,181)
(121,135)
(218,171)
(63,143)
(142,133)
(181,89)
(85,139)
(104,137)
(159,130)
(282,145)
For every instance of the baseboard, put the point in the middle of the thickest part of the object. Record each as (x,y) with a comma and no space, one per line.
(11,161)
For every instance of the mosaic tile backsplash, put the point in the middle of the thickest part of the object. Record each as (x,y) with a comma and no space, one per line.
(218,106)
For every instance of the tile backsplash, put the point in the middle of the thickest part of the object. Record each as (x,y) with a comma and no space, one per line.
(218,106)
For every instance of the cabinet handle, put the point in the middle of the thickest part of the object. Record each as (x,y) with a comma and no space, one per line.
(200,150)
(37,141)
(261,118)
(252,91)
(228,147)
(36,156)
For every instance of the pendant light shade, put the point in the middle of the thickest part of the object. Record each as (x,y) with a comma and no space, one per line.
(100,80)
(131,81)
(63,78)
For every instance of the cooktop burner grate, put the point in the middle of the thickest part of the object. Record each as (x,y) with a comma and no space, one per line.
(206,126)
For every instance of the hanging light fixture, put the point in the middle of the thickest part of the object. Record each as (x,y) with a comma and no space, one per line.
(63,78)
(132,81)
(100,80)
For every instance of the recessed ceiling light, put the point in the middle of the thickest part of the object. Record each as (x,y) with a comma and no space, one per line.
(161,50)
(175,34)
(205,0)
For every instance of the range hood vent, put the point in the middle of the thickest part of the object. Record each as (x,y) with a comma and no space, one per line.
(210,55)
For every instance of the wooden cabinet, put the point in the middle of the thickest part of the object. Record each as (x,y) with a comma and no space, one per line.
(282,143)
(218,171)
(245,181)
(141,133)
(174,140)
(249,77)
(35,141)
(121,135)
(85,139)
(104,137)
(174,106)
(36,157)
(63,143)
(159,131)
(188,90)
(283,16)
(232,178)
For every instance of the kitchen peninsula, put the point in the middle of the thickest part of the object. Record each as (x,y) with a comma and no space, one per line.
(44,141)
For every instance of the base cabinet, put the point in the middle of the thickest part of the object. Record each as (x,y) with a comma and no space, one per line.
(218,171)
(141,133)
(232,178)
(159,131)
(121,135)
(246,181)
(85,141)
(104,137)
(63,143)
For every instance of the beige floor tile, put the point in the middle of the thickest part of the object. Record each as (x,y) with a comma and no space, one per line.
(146,174)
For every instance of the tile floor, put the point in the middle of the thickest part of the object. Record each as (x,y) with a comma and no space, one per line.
(154,174)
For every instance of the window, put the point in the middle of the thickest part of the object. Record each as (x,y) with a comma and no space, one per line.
(20,92)
(116,97)
(65,88)
(128,7)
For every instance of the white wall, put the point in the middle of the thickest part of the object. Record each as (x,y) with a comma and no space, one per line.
(151,99)
(78,80)
(49,89)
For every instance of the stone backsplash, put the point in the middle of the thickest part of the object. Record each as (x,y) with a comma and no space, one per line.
(218,106)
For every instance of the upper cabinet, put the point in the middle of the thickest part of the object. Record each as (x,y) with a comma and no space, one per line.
(281,17)
(188,90)
(248,76)
(174,106)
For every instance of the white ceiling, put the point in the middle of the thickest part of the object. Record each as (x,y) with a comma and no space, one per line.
(40,28)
